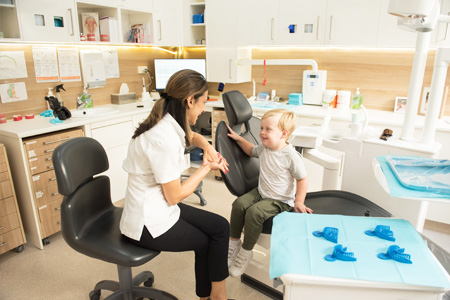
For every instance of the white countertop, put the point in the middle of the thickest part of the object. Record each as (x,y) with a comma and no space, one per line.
(41,125)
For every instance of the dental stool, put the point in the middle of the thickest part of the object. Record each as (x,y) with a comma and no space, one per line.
(243,177)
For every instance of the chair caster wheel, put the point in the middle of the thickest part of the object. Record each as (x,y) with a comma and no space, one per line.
(46,241)
(149,282)
(20,248)
(95,295)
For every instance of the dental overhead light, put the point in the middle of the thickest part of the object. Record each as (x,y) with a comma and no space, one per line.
(422,16)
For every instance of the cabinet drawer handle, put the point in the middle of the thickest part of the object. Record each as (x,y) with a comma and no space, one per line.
(331,26)
(160,30)
(57,208)
(4,244)
(1,227)
(317,28)
(71,21)
(48,159)
(271,28)
(55,141)
(59,222)
(52,179)
(49,150)
(50,167)
(55,194)
(229,68)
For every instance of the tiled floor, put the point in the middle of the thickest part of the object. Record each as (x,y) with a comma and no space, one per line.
(58,272)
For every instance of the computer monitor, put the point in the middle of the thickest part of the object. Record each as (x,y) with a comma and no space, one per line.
(164,68)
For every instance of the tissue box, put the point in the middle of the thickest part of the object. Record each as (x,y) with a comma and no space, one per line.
(295,99)
(123,98)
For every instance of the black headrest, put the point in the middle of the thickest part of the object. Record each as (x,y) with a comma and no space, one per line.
(237,107)
(76,160)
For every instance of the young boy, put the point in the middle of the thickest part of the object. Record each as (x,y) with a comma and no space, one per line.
(282,186)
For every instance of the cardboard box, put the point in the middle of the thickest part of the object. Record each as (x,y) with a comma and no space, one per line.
(90,24)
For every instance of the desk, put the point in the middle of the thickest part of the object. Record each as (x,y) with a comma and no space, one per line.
(297,258)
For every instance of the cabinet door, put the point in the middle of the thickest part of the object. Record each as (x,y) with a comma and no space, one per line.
(48,20)
(222,65)
(167,23)
(389,34)
(221,23)
(302,22)
(352,22)
(258,22)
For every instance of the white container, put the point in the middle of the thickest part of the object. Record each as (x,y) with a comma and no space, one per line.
(328,97)
(343,100)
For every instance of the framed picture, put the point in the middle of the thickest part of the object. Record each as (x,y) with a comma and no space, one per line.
(426,97)
(400,104)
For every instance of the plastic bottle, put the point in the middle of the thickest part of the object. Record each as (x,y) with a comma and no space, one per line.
(58,88)
(356,100)
(49,95)
(85,100)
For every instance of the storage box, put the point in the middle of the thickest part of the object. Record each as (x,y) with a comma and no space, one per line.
(123,98)
(295,99)
(109,26)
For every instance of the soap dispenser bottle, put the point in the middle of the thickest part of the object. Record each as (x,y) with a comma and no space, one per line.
(356,100)
(85,100)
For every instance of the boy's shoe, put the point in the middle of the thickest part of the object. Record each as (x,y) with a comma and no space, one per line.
(233,250)
(241,262)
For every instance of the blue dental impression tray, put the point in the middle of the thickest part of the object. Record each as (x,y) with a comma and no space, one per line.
(396,253)
(340,253)
(383,232)
(329,233)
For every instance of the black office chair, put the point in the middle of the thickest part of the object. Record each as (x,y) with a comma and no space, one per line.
(90,222)
(244,170)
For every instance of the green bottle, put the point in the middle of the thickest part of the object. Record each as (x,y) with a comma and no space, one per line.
(356,100)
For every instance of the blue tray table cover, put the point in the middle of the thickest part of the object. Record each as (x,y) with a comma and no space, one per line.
(396,189)
(294,249)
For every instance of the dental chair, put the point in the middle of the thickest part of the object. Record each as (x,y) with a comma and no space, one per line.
(90,222)
(243,177)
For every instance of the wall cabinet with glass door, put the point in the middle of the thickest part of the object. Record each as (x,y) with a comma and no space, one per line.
(48,20)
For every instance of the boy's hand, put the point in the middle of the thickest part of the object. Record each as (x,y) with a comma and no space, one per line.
(302,208)
(233,134)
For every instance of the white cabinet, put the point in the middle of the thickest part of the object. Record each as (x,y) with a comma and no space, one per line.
(114,136)
(222,53)
(138,5)
(48,20)
(258,22)
(193,34)
(167,23)
(352,22)
(9,22)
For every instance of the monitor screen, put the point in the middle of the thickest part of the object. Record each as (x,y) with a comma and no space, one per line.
(164,68)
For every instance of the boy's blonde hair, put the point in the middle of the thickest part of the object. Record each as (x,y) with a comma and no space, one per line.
(287,120)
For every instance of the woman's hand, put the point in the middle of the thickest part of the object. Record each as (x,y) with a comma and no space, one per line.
(221,164)
(210,154)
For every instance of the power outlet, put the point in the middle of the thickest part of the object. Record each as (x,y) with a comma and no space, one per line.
(141,69)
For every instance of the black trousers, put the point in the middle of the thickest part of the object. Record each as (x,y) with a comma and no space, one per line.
(205,233)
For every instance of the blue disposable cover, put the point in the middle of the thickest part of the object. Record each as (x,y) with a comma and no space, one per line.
(423,174)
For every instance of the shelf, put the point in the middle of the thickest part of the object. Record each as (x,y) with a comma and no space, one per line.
(198,25)
(8,5)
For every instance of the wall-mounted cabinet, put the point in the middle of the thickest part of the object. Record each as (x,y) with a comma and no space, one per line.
(48,20)
(167,23)
(194,31)
(9,22)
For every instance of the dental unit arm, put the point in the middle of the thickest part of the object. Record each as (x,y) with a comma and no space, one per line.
(422,16)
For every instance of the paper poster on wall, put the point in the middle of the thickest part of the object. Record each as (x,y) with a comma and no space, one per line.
(69,64)
(11,92)
(45,64)
(111,60)
(12,65)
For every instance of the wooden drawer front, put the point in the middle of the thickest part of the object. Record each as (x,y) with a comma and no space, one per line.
(43,180)
(7,206)
(40,164)
(5,189)
(10,240)
(50,216)
(2,154)
(47,195)
(4,176)
(3,167)
(9,223)
(45,144)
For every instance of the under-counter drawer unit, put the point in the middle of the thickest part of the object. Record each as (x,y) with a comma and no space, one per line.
(11,230)
(47,201)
